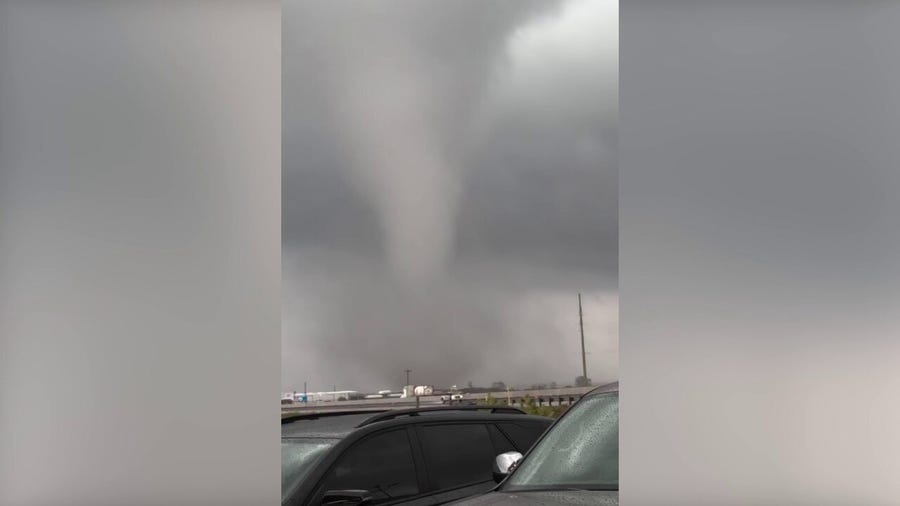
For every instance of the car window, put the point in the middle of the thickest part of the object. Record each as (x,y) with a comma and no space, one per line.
(382,464)
(502,444)
(580,451)
(457,454)
(523,435)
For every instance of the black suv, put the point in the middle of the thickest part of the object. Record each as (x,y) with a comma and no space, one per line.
(414,457)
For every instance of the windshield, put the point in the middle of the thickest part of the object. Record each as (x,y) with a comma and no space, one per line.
(580,452)
(298,456)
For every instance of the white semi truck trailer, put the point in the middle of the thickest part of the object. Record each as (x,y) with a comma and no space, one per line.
(417,391)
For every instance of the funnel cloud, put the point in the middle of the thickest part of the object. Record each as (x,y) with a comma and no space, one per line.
(449,186)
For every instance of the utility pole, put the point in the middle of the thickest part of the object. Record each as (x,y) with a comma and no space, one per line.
(581,326)
(414,389)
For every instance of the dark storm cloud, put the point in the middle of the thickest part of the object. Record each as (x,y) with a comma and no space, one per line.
(456,44)
(448,167)
(544,198)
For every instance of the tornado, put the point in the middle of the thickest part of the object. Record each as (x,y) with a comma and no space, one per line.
(388,114)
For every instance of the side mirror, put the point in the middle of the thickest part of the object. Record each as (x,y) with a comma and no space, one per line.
(346,498)
(504,464)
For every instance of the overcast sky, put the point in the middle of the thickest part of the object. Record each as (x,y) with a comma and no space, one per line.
(450,185)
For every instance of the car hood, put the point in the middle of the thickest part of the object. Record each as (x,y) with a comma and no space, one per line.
(554,498)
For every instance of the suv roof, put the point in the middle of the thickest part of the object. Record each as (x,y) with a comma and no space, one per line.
(339,425)
(334,426)
(439,410)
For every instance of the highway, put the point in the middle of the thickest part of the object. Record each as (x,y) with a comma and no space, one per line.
(555,396)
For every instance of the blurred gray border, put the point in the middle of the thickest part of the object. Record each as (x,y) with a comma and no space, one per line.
(140,152)
(760,169)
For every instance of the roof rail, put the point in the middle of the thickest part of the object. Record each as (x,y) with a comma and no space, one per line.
(397,413)
(313,415)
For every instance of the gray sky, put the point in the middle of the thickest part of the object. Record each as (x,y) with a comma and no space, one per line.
(450,184)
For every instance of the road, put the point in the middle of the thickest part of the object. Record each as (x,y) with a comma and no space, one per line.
(552,396)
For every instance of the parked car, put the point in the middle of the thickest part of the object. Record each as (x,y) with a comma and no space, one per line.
(416,457)
(575,463)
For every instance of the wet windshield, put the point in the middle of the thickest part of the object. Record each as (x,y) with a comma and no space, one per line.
(580,452)
(298,456)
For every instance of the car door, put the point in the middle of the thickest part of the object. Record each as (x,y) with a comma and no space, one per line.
(458,459)
(382,463)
